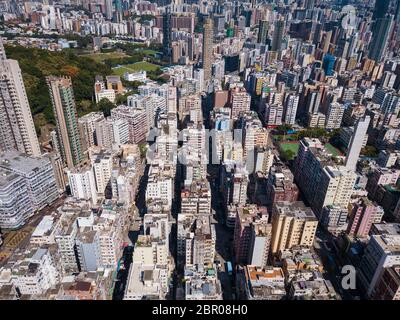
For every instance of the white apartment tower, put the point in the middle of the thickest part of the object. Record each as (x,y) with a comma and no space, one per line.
(322,182)
(17,130)
(334,115)
(87,124)
(160,185)
(356,143)
(102,168)
(36,274)
(290,108)
(83,184)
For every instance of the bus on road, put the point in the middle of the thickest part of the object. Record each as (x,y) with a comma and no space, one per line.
(229,267)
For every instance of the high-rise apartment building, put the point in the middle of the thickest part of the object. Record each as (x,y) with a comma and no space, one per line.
(104,132)
(137,120)
(322,182)
(328,64)
(196,197)
(380,9)
(356,142)
(109,9)
(208,39)
(194,142)
(388,285)
(83,184)
(160,185)
(15,206)
(363,214)
(17,130)
(65,238)
(240,101)
(196,240)
(290,109)
(234,181)
(253,135)
(263,26)
(280,186)
(277,38)
(64,108)
(167,29)
(334,115)
(293,224)
(380,36)
(382,251)
(252,235)
(35,272)
(102,167)
(87,124)
(273,114)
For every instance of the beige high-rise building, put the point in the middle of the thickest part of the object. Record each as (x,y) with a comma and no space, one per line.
(293,224)
(17,130)
(207,48)
(240,101)
(87,125)
(254,136)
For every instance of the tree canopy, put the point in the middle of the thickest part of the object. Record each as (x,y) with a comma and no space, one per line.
(36,64)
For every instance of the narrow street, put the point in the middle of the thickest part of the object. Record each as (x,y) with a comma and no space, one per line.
(224,235)
(125,262)
(131,235)
(140,199)
(326,250)
(123,273)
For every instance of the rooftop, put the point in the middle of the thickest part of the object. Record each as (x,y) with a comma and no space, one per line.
(7,177)
(44,226)
(256,273)
(39,254)
(138,275)
(21,163)
(296,209)
(386,228)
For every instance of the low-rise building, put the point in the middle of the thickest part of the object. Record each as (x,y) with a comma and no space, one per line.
(202,284)
(36,272)
(316,288)
(149,271)
(255,283)
(300,262)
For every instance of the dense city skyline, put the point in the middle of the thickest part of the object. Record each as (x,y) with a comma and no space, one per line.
(199,150)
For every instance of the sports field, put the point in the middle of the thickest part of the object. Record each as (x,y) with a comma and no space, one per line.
(101,57)
(134,67)
(292,146)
